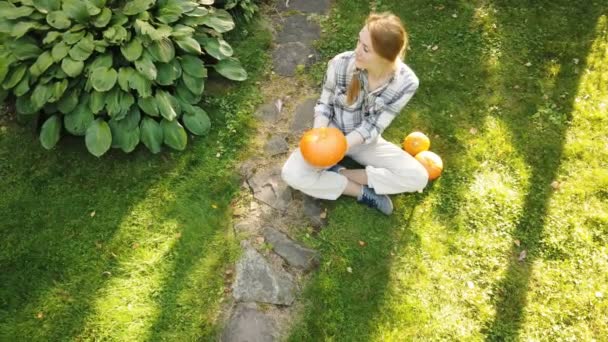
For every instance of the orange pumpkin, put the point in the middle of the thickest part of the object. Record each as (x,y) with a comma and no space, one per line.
(431,162)
(416,142)
(323,146)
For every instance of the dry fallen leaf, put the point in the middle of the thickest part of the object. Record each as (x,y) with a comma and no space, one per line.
(470,284)
(528,64)
(349,270)
(516,242)
(135,245)
(228,272)
(279,105)
(522,255)
(473,130)
(40,315)
(435,47)
(362,243)
(178,235)
(214,206)
(323,214)
(260,239)
(93,213)
(555,185)
(454,15)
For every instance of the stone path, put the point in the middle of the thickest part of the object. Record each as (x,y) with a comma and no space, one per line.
(266,282)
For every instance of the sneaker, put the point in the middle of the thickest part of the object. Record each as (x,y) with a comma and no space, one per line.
(336,168)
(372,199)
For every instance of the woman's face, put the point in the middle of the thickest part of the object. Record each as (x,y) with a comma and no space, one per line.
(365,56)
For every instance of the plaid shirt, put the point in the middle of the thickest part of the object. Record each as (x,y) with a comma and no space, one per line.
(373,111)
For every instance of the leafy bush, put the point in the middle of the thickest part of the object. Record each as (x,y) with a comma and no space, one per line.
(117,72)
(240,8)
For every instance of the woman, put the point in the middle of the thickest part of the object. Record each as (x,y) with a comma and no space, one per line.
(362,93)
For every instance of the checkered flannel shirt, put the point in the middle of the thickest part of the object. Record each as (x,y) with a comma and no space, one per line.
(373,111)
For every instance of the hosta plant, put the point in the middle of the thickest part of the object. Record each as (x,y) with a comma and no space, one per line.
(118,73)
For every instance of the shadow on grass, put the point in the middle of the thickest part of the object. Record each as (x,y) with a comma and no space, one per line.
(58,210)
(539,121)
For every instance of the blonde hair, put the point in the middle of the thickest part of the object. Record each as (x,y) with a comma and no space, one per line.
(389,40)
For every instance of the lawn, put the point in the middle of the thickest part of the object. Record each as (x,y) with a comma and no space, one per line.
(125,247)
(511,243)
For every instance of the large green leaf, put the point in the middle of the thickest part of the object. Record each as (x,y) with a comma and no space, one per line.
(79,119)
(123,136)
(71,67)
(189,45)
(185,94)
(162,50)
(231,68)
(168,72)
(11,12)
(57,90)
(182,31)
(51,37)
(193,66)
(137,6)
(141,84)
(198,12)
(103,79)
(169,13)
(41,95)
(219,20)
(132,50)
(124,76)
(43,62)
(23,87)
(46,6)
(22,27)
(25,48)
(148,105)
(58,20)
(14,76)
(101,61)
(80,10)
(194,84)
(50,132)
(59,51)
(116,34)
(83,49)
(103,18)
(146,67)
(151,134)
(174,134)
(166,105)
(74,37)
(98,137)
(216,47)
(197,121)
(97,101)
(145,28)
(68,102)
(25,106)
(118,103)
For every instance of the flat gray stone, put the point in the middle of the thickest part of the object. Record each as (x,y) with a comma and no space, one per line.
(304,117)
(257,281)
(268,187)
(268,113)
(295,254)
(297,28)
(286,57)
(314,212)
(248,324)
(308,6)
(276,145)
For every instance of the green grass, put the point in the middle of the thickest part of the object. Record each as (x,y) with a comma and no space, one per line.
(125,247)
(514,99)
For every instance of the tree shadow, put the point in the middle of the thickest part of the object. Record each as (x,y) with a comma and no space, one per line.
(539,121)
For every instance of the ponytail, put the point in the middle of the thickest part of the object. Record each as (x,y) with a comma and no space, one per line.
(354,88)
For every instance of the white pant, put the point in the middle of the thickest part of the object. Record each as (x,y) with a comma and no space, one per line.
(390,170)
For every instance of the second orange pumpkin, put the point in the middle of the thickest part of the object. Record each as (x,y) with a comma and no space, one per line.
(416,142)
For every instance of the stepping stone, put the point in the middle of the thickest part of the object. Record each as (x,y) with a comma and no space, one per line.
(314,212)
(295,255)
(304,117)
(286,57)
(308,6)
(297,28)
(276,145)
(248,324)
(257,281)
(268,113)
(268,187)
